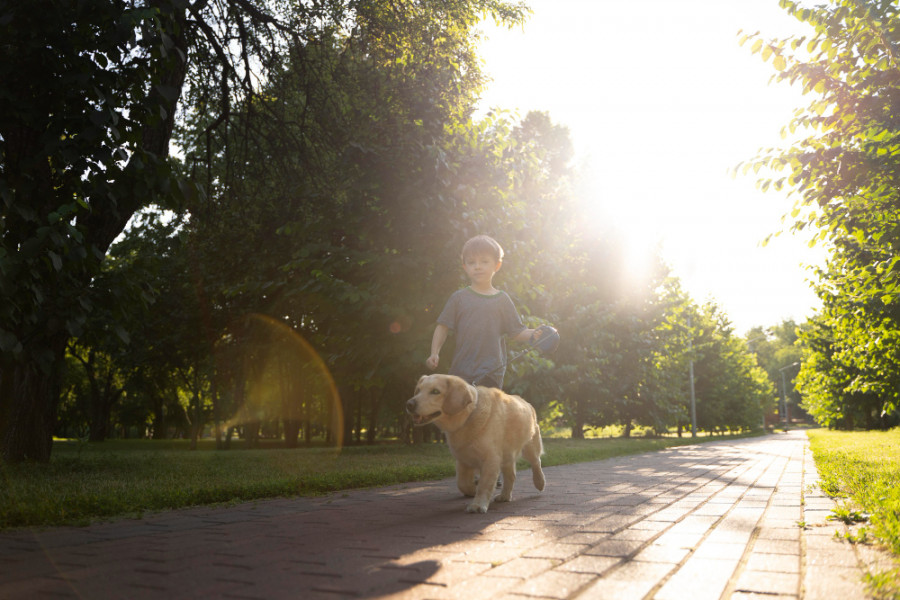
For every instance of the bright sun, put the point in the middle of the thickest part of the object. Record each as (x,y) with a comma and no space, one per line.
(627,222)
(661,102)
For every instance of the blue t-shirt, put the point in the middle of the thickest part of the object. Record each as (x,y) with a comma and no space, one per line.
(480,324)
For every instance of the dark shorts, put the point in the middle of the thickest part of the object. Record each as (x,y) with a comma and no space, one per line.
(487,381)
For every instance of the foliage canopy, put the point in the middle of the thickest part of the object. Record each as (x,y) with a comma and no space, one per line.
(843,170)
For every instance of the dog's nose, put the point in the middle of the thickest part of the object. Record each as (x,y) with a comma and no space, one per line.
(411,405)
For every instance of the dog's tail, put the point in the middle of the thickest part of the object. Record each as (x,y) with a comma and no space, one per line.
(534,449)
(536,433)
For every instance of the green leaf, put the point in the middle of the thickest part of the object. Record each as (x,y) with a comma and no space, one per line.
(9,342)
(123,335)
(56,260)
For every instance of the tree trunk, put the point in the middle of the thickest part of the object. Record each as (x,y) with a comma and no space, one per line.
(374,406)
(251,434)
(197,422)
(102,402)
(99,427)
(159,416)
(357,418)
(343,429)
(29,403)
(578,421)
(217,410)
(291,433)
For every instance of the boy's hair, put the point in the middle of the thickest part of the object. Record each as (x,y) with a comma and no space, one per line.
(480,245)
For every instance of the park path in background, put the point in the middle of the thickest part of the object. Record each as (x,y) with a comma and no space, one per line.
(736,519)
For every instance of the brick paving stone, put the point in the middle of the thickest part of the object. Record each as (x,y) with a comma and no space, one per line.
(833,582)
(522,567)
(788,547)
(698,579)
(555,550)
(662,554)
(720,550)
(768,582)
(716,520)
(594,565)
(775,563)
(615,547)
(636,535)
(554,584)
(627,583)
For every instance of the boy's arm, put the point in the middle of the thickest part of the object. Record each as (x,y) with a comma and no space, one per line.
(437,342)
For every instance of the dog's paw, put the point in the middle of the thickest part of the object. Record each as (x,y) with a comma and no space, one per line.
(475,507)
(503,498)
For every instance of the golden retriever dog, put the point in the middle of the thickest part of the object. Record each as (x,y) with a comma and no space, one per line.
(487,430)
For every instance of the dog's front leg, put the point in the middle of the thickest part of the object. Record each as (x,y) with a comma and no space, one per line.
(465,479)
(490,471)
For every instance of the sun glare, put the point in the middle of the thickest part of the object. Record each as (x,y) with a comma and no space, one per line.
(661,104)
(628,222)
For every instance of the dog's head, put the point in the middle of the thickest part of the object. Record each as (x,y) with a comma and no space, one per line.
(440,398)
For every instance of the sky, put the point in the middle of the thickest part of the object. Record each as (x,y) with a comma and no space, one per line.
(662,102)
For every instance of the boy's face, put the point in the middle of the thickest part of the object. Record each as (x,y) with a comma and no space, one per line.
(480,268)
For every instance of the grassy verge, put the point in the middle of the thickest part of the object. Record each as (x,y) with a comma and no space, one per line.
(862,469)
(85,482)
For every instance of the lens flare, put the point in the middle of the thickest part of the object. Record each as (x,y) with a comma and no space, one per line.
(281,378)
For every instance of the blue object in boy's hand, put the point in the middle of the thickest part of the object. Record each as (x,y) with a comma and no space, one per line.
(545,338)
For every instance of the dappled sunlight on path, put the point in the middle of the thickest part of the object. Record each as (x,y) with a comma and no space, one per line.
(721,519)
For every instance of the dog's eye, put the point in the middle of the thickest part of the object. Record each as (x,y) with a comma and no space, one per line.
(435,391)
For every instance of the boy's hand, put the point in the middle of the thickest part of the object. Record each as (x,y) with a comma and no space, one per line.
(432,362)
(545,338)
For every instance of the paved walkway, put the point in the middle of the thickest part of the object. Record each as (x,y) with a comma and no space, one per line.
(718,520)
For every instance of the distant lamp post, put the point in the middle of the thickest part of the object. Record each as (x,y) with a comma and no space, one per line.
(691,375)
(764,336)
(784,393)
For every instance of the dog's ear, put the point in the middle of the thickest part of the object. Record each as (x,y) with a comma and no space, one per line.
(459,395)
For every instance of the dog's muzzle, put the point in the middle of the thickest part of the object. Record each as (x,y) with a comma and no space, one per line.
(411,410)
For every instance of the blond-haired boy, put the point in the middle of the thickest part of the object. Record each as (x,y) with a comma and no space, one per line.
(481,318)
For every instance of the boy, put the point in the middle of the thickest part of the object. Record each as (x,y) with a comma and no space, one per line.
(481,317)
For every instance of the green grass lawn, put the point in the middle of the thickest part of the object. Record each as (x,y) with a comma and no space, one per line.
(85,482)
(862,470)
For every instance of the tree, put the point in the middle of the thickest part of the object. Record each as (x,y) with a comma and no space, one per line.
(842,386)
(731,389)
(91,95)
(776,350)
(844,175)
(85,117)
